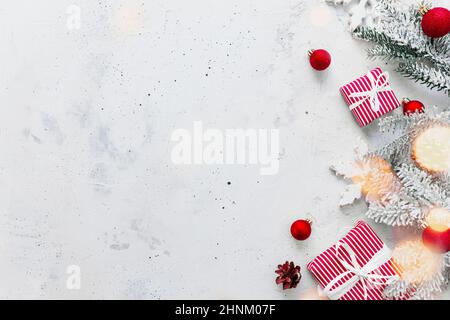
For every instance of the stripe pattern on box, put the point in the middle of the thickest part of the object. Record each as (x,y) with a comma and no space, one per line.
(361,95)
(365,244)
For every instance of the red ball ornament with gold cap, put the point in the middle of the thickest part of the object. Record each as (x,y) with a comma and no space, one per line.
(435,22)
(438,241)
(436,236)
(412,106)
(301,229)
(319,59)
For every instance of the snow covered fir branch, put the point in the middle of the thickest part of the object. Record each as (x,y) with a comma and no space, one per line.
(425,289)
(401,187)
(392,176)
(398,37)
(405,183)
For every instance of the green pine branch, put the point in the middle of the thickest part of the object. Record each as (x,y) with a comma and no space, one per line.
(399,38)
(386,47)
(431,77)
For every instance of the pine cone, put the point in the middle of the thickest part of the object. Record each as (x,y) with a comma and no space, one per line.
(288,274)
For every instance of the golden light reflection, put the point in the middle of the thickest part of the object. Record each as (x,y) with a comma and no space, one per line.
(417,262)
(375,177)
(438,219)
(431,149)
(312,294)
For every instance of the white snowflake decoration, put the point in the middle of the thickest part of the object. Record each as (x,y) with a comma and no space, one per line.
(346,169)
(359,12)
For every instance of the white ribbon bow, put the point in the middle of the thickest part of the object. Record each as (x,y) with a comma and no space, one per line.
(360,273)
(372,94)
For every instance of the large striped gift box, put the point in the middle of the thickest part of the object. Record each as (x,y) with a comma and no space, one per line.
(358,267)
(370,96)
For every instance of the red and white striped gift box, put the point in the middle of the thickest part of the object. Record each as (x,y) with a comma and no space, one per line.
(329,267)
(370,96)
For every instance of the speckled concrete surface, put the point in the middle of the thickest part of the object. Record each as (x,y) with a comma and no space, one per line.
(85,124)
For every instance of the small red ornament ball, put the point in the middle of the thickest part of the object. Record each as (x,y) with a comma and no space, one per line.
(319,59)
(412,106)
(436,22)
(436,240)
(301,229)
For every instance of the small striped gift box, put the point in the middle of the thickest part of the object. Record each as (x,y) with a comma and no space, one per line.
(370,96)
(358,267)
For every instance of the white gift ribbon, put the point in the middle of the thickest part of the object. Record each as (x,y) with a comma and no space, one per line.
(360,273)
(372,94)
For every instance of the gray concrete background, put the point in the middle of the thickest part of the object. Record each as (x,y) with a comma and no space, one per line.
(85,125)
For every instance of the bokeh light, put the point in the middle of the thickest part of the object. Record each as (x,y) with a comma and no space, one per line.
(376,178)
(438,219)
(417,262)
(320,15)
(431,149)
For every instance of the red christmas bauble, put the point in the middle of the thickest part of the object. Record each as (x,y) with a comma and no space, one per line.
(436,22)
(301,229)
(412,106)
(319,59)
(436,240)
(447,240)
